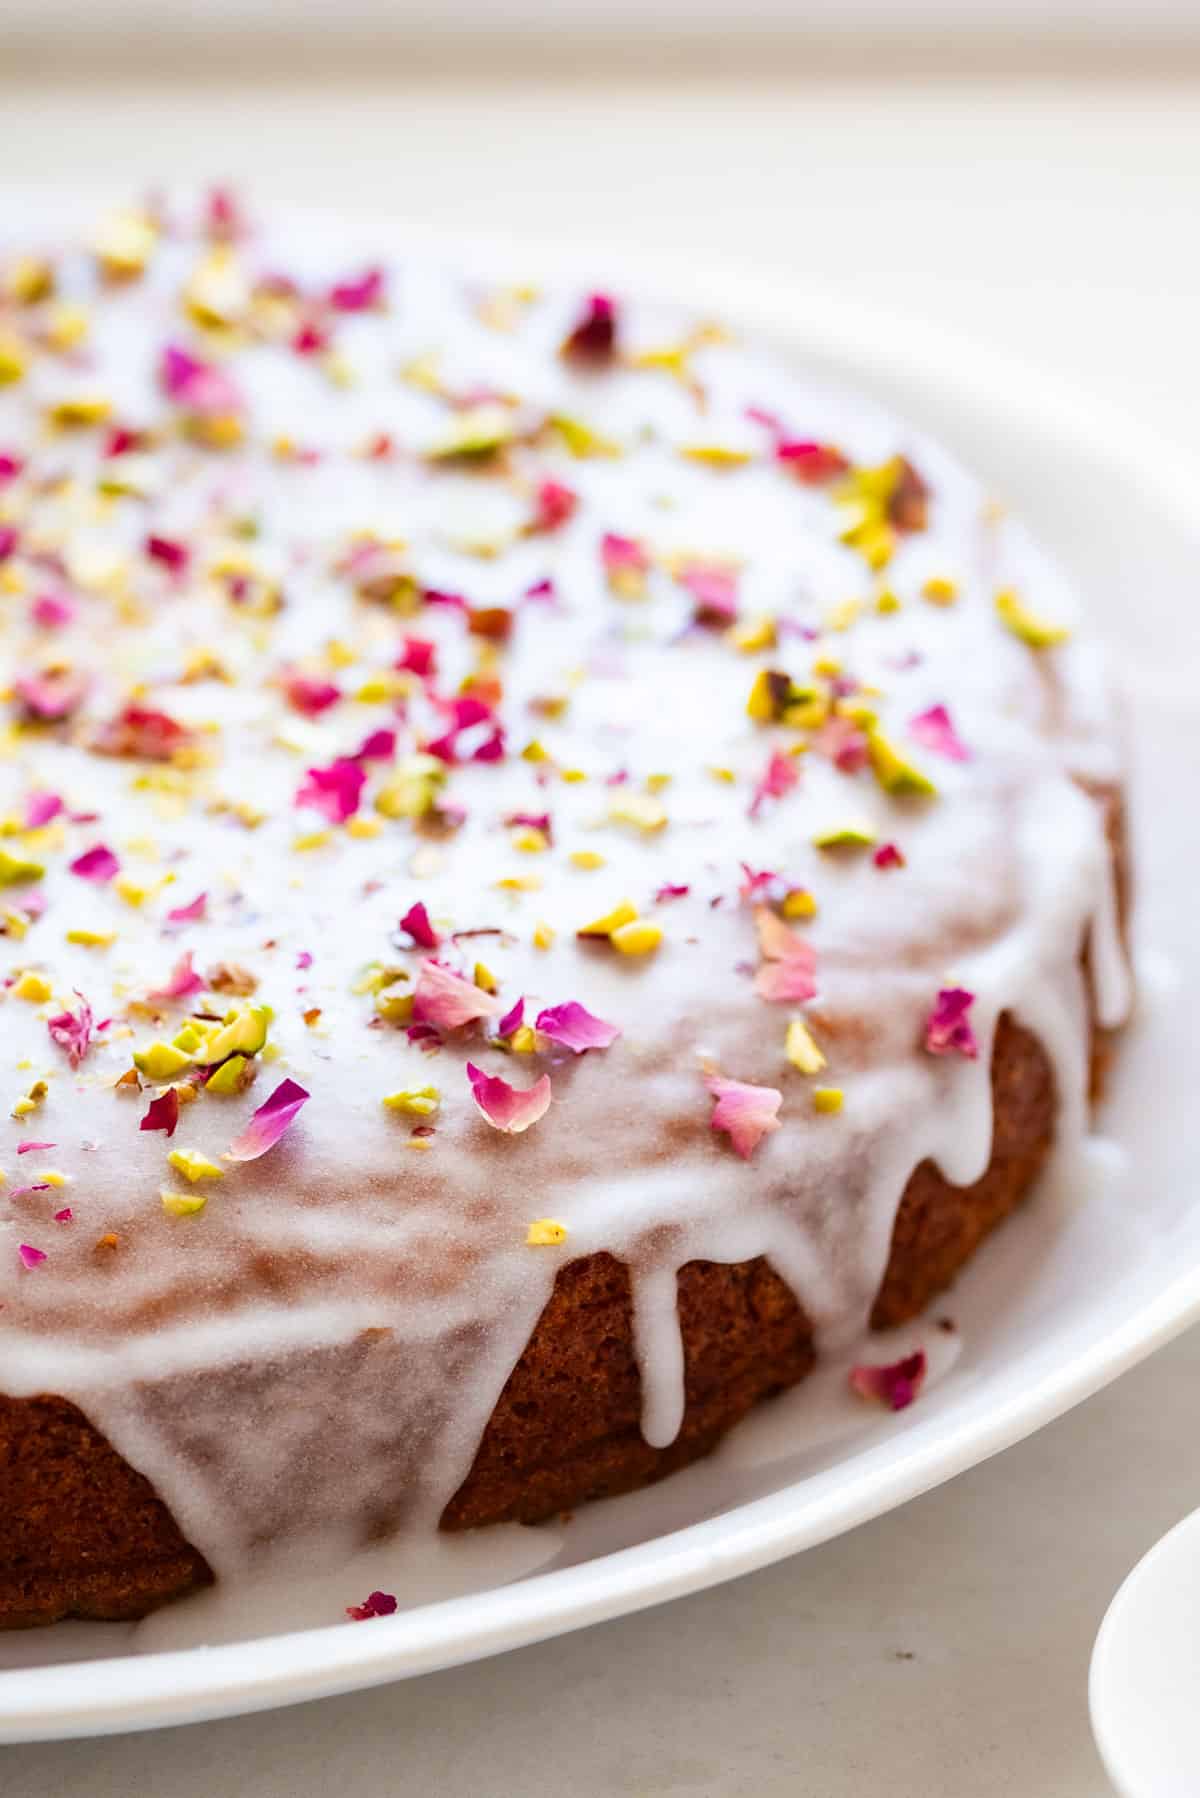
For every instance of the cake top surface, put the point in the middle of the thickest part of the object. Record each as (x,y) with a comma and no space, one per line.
(489,774)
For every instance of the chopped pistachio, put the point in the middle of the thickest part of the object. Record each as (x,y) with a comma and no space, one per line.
(1036,632)
(33,987)
(827,1099)
(195,1166)
(182,1204)
(639,937)
(801,1049)
(545,1233)
(419,1101)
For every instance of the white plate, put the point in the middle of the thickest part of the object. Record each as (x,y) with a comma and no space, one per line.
(1066,1297)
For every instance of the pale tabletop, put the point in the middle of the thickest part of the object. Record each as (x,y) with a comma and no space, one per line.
(942,1651)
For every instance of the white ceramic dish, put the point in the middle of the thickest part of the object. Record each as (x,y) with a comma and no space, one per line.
(1070,1293)
(1145,1671)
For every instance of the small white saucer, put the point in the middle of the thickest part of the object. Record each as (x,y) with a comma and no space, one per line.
(1144,1687)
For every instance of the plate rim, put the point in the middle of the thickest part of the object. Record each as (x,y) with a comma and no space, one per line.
(165,1688)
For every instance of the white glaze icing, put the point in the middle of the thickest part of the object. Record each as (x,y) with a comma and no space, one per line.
(225,1354)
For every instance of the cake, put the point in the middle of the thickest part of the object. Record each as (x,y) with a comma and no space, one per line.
(555,870)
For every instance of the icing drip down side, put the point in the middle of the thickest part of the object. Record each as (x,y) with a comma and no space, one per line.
(385,647)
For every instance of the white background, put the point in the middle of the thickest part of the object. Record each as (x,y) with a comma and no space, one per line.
(1057,216)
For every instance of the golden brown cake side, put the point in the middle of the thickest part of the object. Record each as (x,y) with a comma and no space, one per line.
(85,1535)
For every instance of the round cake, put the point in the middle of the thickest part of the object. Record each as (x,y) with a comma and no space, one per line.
(555,870)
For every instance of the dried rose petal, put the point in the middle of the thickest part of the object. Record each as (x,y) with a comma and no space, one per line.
(513,1018)
(268,1123)
(334,791)
(182,982)
(947,1029)
(52,611)
(593,337)
(895,1385)
(310,695)
(812,463)
(192,913)
(778,778)
(359,294)
(715,592)
(29,1255)
(376,1604)
(935,731)
(508,1108)
(888,855)
(97,864)
(746,1113)
(162,1113)
(376,746)
(49,697)
(173,555)
(843,743)
(40,808)
(672,890)
(448,1001)
(419,657)
(198,387)
(72,1030)
(554,505)
(416,922)
(575,1027)
(142,731)
(785,982)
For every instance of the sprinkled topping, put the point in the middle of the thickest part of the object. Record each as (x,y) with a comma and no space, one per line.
(593,337)
(376,1604)
(895,1385)
(162,1113)
(575,1027)
(268,1123)
(545,1233)
(448,1001)
(947,1029)
(508,1108)
(1026,625)
(934,729)
(746,1113)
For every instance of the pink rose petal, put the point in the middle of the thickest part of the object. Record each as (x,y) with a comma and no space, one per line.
(52,611)
(715,592)
(842,743)
(623,559)
(182,982)
(554,505)
(29,1255)
(201,388)
(360,293)
(888,855)
(671,891)
(40,808)
(173,555)
(418,656)
(97,864)
(310,695)
(449,1001)
(935,730)
(592,339)
(812,463)
(72,1030)
(895,1385)
(162,1113)
(784,983)
(947,1028)
(30,1146)
(778,778)
(139,730)
(513,1018)
(191,913)
(508,1108)
(376,746)
(376,1604)
(50,697)
(416,922)
(268,1123)
(575,1027)
(334,791)
(746,1113)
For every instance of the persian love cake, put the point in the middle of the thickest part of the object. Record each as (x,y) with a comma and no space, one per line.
(554,869)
